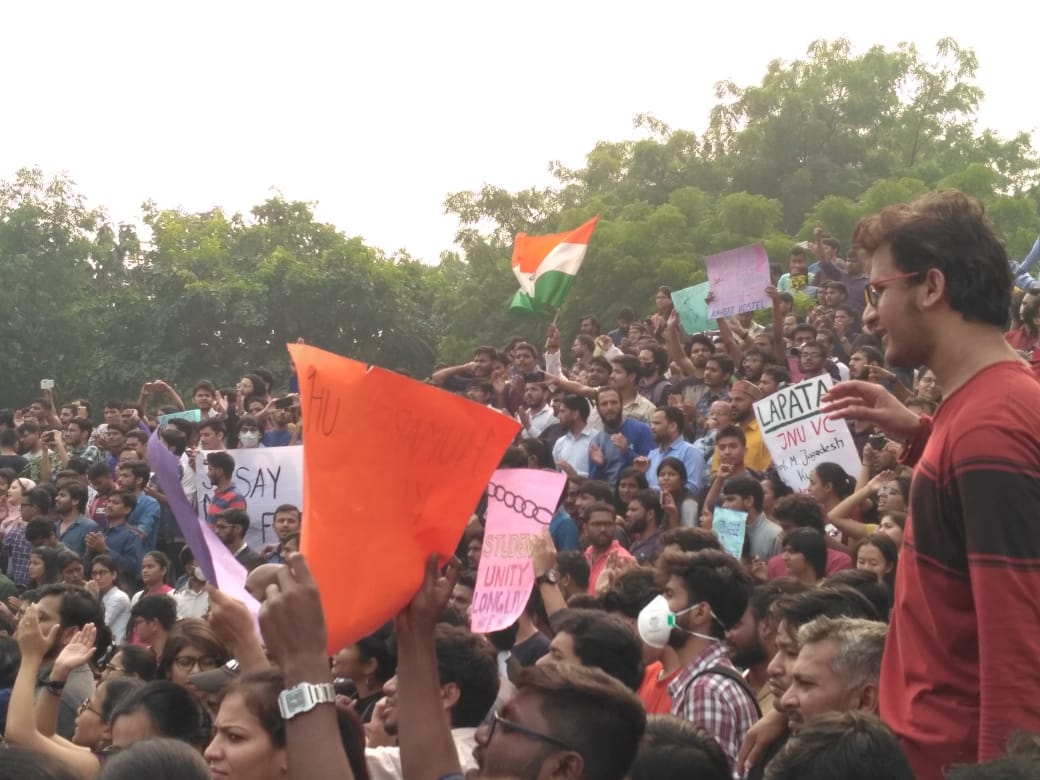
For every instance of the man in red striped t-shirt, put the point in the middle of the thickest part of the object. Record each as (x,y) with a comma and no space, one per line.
(220,466)
(956,680)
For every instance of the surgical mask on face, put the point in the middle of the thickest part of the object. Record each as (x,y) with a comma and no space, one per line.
(656,622)
(249,438)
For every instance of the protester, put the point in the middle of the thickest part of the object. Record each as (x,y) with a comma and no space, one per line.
(672,437)
(103,576)
(850,745)
(940,293)
(155,570)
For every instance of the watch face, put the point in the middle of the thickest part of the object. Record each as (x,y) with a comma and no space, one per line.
(295,699)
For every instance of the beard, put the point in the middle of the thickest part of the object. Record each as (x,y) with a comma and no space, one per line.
(748,657)
(637,526)
(677,639)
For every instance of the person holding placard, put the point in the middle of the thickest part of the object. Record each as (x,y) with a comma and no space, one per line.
(745,494)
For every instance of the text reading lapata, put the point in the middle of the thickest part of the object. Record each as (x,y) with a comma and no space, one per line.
(793,403)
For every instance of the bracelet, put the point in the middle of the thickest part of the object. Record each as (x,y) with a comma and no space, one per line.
(55,687)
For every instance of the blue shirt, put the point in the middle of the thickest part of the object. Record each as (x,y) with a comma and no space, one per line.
(75,535)
(640,442)
(126,549)
(146,517)
(564,531)
(276,438)
(684,451)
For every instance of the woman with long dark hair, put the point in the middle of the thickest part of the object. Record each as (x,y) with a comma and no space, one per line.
(678,502)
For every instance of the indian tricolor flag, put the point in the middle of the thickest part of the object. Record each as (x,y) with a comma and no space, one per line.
(546,265)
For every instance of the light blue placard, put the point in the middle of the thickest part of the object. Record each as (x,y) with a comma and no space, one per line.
(730,526)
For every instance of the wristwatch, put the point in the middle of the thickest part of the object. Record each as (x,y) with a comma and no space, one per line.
(304,698)
(549,578)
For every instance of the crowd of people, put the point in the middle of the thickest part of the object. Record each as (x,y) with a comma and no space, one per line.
(872,625)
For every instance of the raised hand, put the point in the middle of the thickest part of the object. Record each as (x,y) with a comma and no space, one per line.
(885,476)
(31,640)
(429,603)
(879,374)
(871,403)
(77,652)
(668,504)
(543,554)
(759,570)
(220,403)
(596,454)
(619,441)
(498,380)
(291,620)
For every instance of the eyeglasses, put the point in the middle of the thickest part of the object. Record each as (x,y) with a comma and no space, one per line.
(872,292)
(205,663)
(86,706)
(116,669)
(497,720)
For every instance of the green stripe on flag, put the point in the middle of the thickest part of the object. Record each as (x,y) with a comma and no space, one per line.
(523,303)
(551,287)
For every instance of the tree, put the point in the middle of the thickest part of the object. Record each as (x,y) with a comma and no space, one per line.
(836,122)
(54,256)
(820,141)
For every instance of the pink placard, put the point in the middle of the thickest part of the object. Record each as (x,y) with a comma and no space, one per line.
(521,504)
(738,280)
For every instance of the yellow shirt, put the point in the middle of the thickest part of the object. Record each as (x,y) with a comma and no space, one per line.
(757,457)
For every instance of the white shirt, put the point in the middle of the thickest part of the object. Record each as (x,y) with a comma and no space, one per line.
(539,422)
(191,604)
(384,763)
(117,613)
(188,480)
(575,450)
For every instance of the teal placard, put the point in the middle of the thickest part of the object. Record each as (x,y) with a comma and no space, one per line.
(730,525)
(194,415)
(693,310)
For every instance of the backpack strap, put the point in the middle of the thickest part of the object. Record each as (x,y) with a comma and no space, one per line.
(735,676)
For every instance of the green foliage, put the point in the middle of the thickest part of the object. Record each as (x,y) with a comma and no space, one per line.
(822,140)
(209,296)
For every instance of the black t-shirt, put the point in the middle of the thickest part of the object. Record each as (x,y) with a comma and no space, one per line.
(16,462)
(530,650)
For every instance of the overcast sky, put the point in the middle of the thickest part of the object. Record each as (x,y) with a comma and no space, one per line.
(377,110)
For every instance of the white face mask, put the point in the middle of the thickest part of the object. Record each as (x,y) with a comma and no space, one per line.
(656,622)
(249,438)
